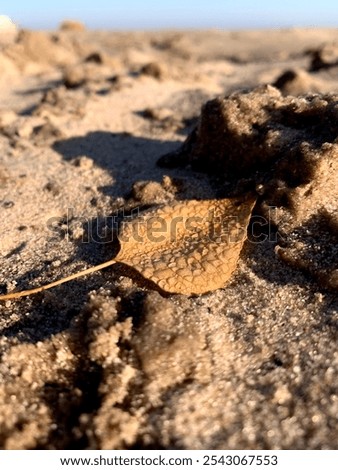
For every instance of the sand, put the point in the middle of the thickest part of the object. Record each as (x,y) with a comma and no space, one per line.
(94,125)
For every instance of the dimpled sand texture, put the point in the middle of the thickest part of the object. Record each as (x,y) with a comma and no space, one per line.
(188,247)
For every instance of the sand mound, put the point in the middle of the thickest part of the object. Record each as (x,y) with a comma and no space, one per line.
(286,149)
(8,31)
(37,48)
(72,25)
(324,57)
(298,82)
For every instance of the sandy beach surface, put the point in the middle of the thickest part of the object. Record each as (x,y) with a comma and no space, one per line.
(95,125)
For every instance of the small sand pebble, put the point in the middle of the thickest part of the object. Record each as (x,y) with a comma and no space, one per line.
(7,204)
(83,162)
(7,117)
(154,69)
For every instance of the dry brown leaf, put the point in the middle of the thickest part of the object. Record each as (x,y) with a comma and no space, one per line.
(188,247)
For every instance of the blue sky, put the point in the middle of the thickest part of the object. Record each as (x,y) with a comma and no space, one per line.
(156,14)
